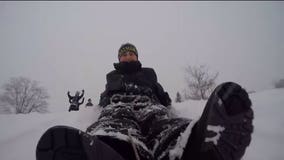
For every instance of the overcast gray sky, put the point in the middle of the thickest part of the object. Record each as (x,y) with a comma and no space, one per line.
(72,45)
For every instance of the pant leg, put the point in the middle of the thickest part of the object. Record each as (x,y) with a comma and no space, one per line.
(113,127)
(166,136)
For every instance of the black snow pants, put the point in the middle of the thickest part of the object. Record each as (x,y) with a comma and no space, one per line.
(133,122)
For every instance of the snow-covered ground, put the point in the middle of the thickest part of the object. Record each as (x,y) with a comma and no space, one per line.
(19,133)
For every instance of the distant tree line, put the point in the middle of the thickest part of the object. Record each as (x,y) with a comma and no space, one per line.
(200,83)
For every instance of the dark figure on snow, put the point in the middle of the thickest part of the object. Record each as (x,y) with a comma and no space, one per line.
(74,100)
(136,123)
(89,103)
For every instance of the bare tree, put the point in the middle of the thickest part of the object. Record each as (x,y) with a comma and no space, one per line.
(24,96)
(199,81)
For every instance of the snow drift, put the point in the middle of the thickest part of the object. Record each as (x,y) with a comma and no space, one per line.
(19,133)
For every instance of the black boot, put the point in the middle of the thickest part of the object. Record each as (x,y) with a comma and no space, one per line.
(224,130)
(67,143)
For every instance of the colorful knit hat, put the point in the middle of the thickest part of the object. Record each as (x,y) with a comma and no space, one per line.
(127,47)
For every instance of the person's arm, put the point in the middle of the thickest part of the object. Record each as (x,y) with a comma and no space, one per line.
(162,95)
(69,97)
(82,94)
(114,84)
(104,99)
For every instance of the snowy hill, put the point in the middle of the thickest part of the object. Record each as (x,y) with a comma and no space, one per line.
(19,133)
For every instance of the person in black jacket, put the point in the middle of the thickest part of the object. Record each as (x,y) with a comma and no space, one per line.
(129,71)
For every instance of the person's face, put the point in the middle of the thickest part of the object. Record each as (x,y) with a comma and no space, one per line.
(128,57)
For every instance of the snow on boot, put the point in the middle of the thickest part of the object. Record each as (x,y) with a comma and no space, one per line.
(224,130)
(67,143)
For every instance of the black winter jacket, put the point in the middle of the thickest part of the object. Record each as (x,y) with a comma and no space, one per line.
(132,73)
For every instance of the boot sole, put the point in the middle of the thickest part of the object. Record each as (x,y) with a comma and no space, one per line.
(227,135)
(67,143)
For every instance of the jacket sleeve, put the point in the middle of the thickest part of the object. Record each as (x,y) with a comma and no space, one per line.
(114,84)
(104,99)
(162,95)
